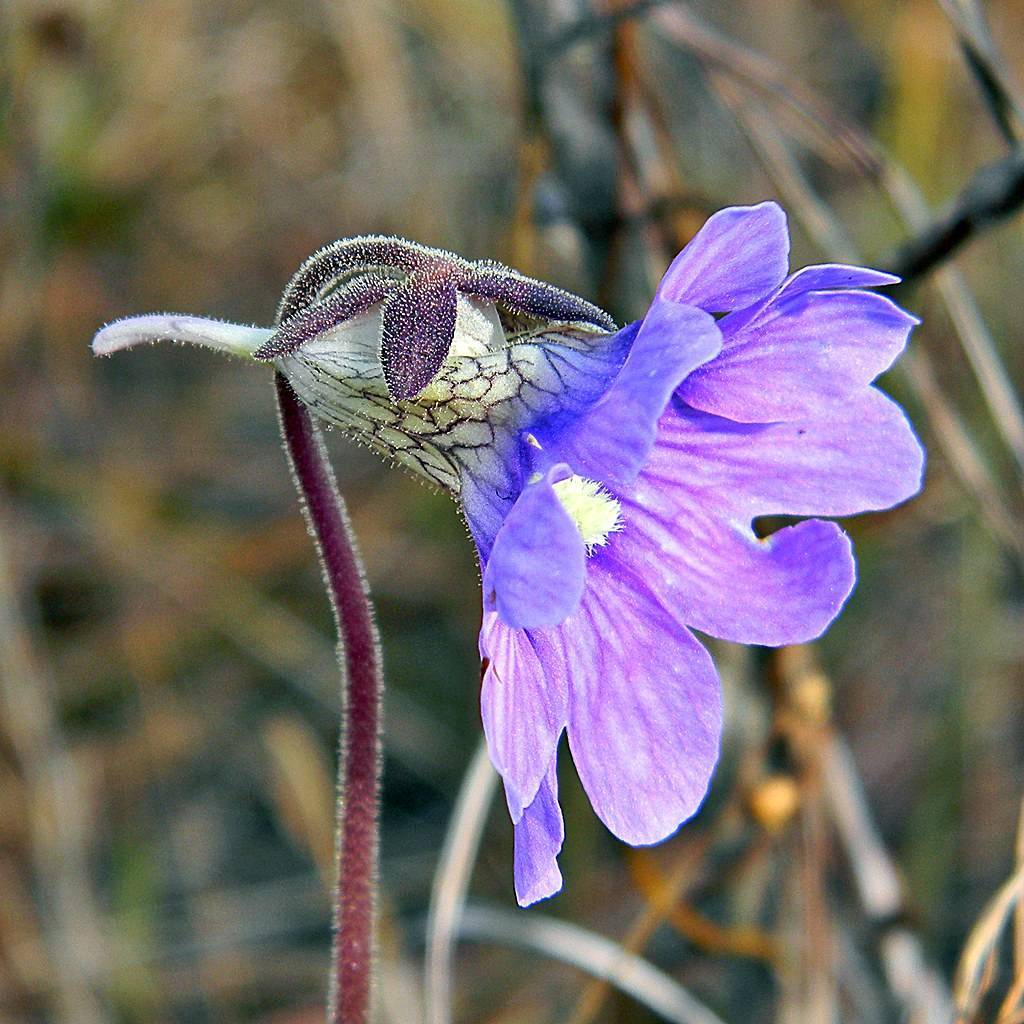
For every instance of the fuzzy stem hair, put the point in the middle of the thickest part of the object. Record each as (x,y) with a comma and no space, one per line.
(360,755)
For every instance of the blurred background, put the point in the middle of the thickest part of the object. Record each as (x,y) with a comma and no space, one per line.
(168,694)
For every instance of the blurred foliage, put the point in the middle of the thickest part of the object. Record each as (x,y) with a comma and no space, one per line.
(168,694)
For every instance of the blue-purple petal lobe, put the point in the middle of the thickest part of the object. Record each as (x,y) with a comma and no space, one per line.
(738,256)
(537,567)
(523,708)
(862,457)
(538,840)
(611,441)
(689,519)
(834,276)
(645,713)
(801,354)
(721,579)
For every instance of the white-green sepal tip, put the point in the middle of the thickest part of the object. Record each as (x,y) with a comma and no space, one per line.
(234,339)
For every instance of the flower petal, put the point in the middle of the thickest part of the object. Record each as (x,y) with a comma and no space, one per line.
(559,384)
(862,456)
(523,708)
(688,521)
(537,568)
(802,351)
(611,441)
(737,257)
(834,276)
(235,339)
(538,840)
(645,712)
(721,579)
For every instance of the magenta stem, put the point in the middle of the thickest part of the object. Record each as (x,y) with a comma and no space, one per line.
(360,757)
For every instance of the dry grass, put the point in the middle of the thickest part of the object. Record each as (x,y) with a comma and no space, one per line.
(167,686)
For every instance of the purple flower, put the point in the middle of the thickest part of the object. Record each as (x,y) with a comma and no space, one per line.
(708,425)
(610,481)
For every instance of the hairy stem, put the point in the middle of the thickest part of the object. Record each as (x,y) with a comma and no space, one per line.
(359,764)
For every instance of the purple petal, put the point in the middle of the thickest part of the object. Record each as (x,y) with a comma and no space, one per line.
(611,442)
(524,710)
(560,386)
(737,257)
(537,567)
(824,277)
(645,712)
(721,579)
(802,351)
(863,456)
(688,520)
(488,498)
(538,840)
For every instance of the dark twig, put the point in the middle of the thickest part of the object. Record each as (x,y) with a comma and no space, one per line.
(994,193)
(1000,106)
(677,23)
(983,59)
(569,105)
(359,771)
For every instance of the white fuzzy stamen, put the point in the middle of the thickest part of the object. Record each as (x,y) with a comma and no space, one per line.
(595,512)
